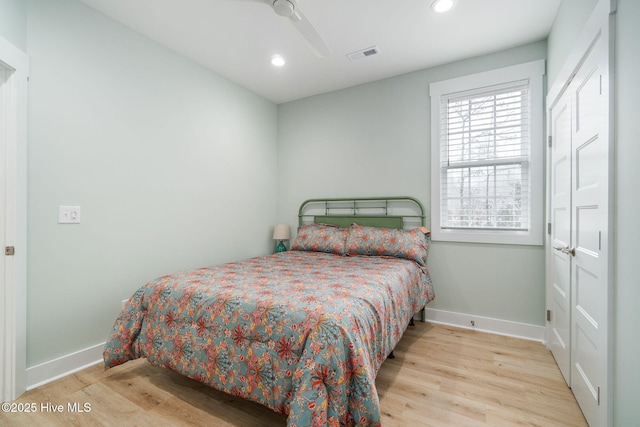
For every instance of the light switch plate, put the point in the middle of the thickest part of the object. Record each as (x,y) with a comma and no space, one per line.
(68,214)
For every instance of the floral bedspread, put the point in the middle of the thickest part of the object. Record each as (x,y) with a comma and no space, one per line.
(303,333)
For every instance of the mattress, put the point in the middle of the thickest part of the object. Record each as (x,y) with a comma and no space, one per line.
(301,332)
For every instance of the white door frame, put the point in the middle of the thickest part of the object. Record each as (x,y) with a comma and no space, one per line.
(601,24)
(13,295)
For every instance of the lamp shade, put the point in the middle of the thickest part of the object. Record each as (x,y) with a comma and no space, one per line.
(281,232)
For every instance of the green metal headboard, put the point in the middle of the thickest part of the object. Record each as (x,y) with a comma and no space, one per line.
(388,212)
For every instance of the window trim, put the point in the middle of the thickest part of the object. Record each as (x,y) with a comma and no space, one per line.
(534,72)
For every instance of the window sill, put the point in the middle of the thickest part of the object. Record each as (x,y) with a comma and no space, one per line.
(490,237)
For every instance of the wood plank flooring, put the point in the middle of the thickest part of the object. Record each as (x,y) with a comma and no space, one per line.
(441,376)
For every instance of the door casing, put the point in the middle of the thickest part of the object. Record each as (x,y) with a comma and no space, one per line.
(13,143)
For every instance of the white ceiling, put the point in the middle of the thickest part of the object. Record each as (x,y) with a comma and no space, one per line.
(236,38)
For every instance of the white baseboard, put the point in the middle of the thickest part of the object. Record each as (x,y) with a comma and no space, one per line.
(66,365)
(486,324)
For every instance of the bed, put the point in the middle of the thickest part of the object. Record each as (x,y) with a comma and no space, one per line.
(302,332)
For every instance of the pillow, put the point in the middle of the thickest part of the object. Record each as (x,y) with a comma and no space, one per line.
(321,238)
(409,244)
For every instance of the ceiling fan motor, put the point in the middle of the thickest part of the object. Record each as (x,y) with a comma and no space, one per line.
(284,7)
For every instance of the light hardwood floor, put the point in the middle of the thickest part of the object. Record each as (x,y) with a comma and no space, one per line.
(441,376)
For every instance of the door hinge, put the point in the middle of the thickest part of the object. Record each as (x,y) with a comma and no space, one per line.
(549,140)
(598,396)
(9,250)
(548,228)
(548,315)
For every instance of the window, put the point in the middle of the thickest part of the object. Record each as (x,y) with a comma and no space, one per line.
(486,156)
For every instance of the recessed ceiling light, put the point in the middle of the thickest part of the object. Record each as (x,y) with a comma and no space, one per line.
(277,61)
(442,6)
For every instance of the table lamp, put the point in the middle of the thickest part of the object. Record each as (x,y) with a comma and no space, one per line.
(281,233)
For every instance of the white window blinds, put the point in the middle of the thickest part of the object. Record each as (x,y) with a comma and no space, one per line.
(485,158)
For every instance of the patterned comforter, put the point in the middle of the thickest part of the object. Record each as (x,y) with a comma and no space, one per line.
(303,333)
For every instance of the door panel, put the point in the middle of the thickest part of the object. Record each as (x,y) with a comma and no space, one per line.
(13,113)
(560,263)
(588,158)
(587,229)
(589,218)
(5,379)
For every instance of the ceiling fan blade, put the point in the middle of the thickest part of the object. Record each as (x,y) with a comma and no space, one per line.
(302,24)
(269,2)
(310,34)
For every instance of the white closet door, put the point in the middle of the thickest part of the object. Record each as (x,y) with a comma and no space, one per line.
(560,212)
(578,276)
(589,222)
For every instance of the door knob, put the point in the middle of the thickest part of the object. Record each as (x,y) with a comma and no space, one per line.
(566,250)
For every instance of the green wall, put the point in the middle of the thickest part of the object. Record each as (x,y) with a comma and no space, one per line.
(171,164)
(374,139)
(568,24)
(13,20)
(626,319)
(148,144)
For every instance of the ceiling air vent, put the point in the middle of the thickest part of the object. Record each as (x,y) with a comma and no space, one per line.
(370,51)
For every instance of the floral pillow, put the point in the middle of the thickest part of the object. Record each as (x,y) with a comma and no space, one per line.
(409,244)
(321,238)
